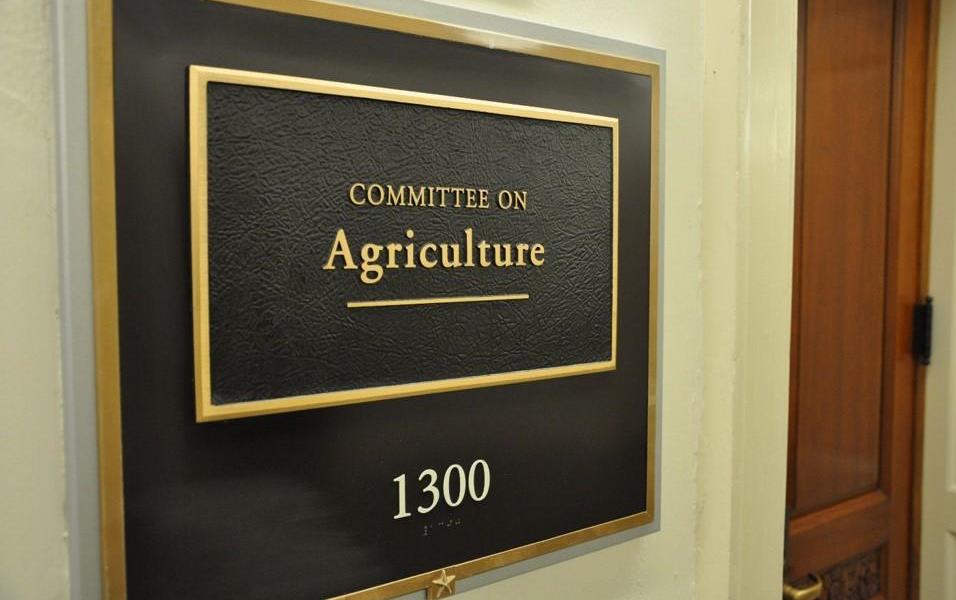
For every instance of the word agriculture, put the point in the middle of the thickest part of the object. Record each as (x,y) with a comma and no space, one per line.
(430,255)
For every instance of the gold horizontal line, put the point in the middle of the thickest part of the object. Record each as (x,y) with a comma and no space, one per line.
(448,300)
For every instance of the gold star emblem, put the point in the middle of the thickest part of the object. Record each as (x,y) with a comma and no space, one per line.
(442,587)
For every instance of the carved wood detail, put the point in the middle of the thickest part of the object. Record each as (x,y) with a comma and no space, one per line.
(857,579)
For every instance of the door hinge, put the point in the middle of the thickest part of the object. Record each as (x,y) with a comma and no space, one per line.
(923,331)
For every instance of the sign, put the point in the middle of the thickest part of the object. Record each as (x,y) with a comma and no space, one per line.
(377,303)
(383,211)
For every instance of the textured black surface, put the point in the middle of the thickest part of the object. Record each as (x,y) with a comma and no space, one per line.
(280,165)
(300,505)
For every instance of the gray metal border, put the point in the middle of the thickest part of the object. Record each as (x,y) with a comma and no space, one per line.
(76,293)
(76,297)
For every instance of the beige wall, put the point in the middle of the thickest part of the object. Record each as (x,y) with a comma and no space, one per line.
(938,552)
(728,219)
(33,557)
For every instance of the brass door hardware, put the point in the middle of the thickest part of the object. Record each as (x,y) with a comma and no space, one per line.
(811,592)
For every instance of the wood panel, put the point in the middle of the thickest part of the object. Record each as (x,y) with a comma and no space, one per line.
(849,59)
(859,578)
(824,538)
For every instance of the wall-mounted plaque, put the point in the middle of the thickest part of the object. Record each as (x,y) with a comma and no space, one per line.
(377,303)
(393,243)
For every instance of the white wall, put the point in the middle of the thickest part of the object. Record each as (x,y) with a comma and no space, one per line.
(33,556)
(728,225)
(938,551)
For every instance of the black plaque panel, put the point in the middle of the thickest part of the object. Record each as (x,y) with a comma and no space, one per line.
(301,504)
(288,171)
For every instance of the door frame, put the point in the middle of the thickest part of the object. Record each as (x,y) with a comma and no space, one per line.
(939,260)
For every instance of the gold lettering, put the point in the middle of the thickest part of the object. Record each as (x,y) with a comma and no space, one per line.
(483,253)
(376,258)
(393,249)
(340,247)
(521,200)
(352,197)
(428,263)
(447,262)
(469,249)
(504,199)
(503,255)
(409,251)
(521,249)
(458,192)
(378,194)
(442,190)
(416,199)
(396,198)
(381,194)
(371,270)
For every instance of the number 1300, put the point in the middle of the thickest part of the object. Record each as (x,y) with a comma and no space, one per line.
(455,484)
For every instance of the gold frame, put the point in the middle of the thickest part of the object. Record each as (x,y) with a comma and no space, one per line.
(106,315)
(199,78)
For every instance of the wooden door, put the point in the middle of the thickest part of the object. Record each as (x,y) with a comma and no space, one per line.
(861,137)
